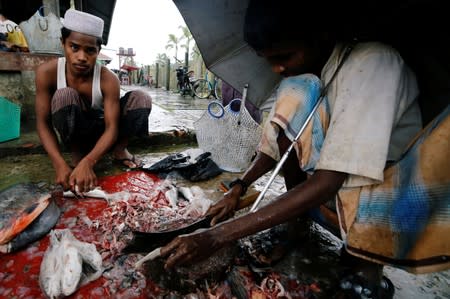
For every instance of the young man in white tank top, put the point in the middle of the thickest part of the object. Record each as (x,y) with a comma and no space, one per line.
(81,100)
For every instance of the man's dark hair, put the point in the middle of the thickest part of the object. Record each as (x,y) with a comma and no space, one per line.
(66,32)
(268,22)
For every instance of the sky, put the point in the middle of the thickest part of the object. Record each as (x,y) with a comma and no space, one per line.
(143,25)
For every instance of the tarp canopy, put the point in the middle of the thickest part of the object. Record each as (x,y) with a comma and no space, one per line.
(129,68)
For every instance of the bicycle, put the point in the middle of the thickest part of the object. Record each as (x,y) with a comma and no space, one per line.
(185,81)
(204,88)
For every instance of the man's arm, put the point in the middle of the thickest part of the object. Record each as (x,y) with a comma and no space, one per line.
(83,175)
(225,208)
(322,186)
(45,85)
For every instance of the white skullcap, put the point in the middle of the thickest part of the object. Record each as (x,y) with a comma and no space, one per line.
(82,22)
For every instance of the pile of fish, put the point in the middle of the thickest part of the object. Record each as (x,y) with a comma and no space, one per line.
(68,264)
(166,208)
(27,214)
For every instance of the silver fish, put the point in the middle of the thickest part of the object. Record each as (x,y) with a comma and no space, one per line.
(48,281)
(72,265)
(172,195)
(62,271)
(95,193)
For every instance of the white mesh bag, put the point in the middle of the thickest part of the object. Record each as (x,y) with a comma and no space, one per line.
(230,136)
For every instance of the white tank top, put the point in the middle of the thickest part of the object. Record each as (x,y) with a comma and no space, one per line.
(97,97)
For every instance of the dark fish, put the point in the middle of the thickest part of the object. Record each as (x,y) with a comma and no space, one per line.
(20,205)
(187,279)
(36,230)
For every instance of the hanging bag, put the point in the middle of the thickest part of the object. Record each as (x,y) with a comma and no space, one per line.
(230,135)
(43,33)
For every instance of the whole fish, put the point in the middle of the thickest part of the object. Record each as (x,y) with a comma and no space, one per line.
(68,264)
(50,268)
(71,269)
(20,204)
(95,193)
(36,230)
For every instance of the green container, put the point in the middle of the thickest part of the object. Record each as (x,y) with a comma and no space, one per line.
(9,120)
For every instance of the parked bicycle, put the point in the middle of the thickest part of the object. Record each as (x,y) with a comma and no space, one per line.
(187,84)
(205,89)
(184,81)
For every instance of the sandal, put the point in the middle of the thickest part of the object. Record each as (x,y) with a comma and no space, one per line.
(128,161)
(357,287)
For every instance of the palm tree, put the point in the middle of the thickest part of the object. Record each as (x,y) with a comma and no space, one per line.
(195,53)
(172,43)
(161,58)
(187,36)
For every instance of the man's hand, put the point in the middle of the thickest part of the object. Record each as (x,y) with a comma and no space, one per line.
(190,248)
(226,207)
(62,175)
(83,177)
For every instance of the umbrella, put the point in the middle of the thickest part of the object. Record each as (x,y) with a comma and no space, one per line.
(217,27)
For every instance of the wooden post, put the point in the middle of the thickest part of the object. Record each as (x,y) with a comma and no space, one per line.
(157,75)
(168,74)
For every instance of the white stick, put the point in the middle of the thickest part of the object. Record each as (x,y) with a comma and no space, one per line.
(151,256)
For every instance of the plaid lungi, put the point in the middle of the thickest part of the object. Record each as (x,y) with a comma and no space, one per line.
(404,221)
(76,122)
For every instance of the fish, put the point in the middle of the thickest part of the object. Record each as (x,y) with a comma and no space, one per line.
(187,193)
(50,266)
(71,269)
(171,194)
(36,230)
(20,204)
(95,193)
(187,278)
(91,260)
(68,264)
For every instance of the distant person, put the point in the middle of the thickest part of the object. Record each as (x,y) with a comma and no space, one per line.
(149,80)
(81,100)
(229,93)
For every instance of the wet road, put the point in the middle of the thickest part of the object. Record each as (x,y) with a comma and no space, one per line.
(172,113)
